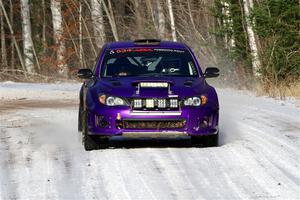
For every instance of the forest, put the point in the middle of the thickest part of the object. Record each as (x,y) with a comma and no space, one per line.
(255,43)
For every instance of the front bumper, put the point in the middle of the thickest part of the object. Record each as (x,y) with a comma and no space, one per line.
(109,121)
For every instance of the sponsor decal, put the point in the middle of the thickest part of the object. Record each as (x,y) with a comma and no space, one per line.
(169,50)
(154,85)
(131,50)
(119,51)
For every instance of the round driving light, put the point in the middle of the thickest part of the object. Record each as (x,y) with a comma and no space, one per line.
(188,102)
(118,101)
(102,99)
(110,101)
(196,101)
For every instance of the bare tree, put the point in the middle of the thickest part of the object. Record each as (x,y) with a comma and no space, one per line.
(3,41)
(138,17)
(13,36)
(84,23)
(98,24)
(58,36)
(11,16)
(44,26)
(26,35)
(110,15)
(80,36)
(173,29)
(248,5)
(227,22)
(161,20)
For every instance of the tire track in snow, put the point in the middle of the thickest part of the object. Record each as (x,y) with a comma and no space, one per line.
(132,173)
(281,160)
(267,147)
(151,173)
(182,172)
(8,184)
(94,183)
(181,188)
(204,169)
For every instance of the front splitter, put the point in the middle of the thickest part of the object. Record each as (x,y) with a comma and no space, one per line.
(161,134)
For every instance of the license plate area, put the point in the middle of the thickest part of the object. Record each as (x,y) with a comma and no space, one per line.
(156,124)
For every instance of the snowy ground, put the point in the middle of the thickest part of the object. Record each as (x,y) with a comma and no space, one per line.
(41,158)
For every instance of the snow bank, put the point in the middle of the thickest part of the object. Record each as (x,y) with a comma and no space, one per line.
(38,91)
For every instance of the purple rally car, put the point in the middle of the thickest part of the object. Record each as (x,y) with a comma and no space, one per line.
(147,88)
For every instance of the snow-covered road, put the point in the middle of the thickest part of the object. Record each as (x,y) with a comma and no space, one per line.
(41,157)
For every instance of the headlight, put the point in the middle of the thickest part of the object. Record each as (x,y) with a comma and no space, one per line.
(111,100)
(195,101)
(115,101)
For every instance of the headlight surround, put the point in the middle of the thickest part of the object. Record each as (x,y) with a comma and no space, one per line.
(195,101)
(111,100)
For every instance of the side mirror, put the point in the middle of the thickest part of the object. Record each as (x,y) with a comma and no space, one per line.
(211,72)
(85,73)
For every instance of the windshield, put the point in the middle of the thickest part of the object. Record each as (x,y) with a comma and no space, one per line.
(148,62)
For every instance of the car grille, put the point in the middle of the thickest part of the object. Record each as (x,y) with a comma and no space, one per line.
(155,104)
(153,124)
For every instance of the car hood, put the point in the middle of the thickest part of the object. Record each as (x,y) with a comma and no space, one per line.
(128,86)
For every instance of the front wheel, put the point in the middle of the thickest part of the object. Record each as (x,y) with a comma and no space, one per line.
(206,140)
(89,142)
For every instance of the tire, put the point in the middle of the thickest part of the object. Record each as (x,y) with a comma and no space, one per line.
(197,140)
(89,142)
(103,142)
(206,140)
(80,119)
(212,140)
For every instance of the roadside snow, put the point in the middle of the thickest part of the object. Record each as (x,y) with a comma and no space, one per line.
(41,157)
(33,91)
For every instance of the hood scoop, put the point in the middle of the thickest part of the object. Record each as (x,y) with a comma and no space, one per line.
(116,83)
(188,83)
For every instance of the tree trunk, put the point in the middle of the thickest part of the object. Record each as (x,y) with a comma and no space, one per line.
(152,12)
(26,35)
(248,5)
(161,21)
(58,37)
(12,58)
(121,21)
(110,15)
(98,25)
(227,22)
(80,36)
(173,29)
(85,26)
(81,54)
(44,27)
(138,18)
(3,41)
(13,37)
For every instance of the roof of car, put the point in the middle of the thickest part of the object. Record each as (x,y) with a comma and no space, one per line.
(141,43)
